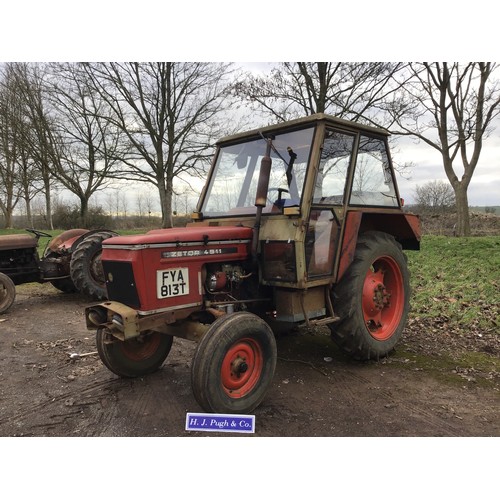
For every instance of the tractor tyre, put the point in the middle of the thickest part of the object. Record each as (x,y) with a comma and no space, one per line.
(65,285)
(134,357)
(86,269)
(372,298)
(7,292)
(234,364)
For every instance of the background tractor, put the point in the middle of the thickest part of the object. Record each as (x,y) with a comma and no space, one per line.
(71,262)
(299,223)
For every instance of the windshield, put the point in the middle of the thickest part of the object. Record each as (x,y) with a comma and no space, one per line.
(233,185)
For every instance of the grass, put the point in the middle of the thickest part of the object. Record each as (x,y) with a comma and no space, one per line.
(456,288)
(457,279)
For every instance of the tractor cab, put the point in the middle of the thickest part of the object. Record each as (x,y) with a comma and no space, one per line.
(328,180)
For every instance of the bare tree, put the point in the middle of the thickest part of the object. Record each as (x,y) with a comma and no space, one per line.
(435,197)
(19,127)
(184,200)
(450,107)
(140,203)
(39,137)
(10,147)
(345,89)
(169,112)
(89,144)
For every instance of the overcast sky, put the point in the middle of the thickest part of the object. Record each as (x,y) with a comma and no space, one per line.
(484,189)
(56,30)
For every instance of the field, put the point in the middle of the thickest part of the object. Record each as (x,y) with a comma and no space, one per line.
(455,306)
(457,281)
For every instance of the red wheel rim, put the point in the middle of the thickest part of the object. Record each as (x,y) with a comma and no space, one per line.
(383,298)
(242,367)
(141,348)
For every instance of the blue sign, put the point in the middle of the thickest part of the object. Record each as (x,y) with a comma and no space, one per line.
(220,422)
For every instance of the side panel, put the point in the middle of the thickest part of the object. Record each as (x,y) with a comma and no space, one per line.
(351,230)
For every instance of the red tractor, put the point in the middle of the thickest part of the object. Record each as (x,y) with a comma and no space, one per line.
(71,262)
(299,223)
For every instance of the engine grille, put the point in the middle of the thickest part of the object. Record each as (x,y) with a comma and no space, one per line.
(120,283)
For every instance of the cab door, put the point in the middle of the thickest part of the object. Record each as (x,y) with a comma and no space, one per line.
(329,195)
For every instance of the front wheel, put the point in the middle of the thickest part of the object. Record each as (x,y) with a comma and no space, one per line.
(234,364)
(7,292)
(372,298)
(135,357)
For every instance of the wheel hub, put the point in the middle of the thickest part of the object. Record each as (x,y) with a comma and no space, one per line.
(381,297)
(239,366)
(375,294)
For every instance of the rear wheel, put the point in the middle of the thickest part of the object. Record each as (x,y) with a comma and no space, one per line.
(7,292)
(86,268)
(372,299)
(65,285)
(234,364)
(135,357)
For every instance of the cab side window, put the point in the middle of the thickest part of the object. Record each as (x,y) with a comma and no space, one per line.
(373,183)
(334,163)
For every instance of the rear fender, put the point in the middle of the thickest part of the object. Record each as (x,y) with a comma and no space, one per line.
(64,241)
(68,240)
(404,227)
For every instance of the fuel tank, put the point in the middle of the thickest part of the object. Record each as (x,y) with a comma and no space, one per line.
(163,269)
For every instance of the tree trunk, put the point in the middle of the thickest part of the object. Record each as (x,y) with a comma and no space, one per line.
(48,203)
(84,211)
(29,214)
(463,219)
(165,204)
(8,218)
(168,207)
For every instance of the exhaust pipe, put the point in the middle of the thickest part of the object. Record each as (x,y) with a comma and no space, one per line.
(261,197)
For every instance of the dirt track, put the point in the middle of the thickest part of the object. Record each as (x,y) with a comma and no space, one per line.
(317,391)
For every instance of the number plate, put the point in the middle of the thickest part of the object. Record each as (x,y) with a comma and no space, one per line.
(172,282)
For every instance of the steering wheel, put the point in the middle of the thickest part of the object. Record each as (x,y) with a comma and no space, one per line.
(38,234)
(280,192)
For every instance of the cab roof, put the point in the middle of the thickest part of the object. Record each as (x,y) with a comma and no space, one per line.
(303,122)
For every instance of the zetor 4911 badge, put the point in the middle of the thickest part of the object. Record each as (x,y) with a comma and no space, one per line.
(299,223)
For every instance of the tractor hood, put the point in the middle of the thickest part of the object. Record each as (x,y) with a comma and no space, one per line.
(163,270)
(179,237)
